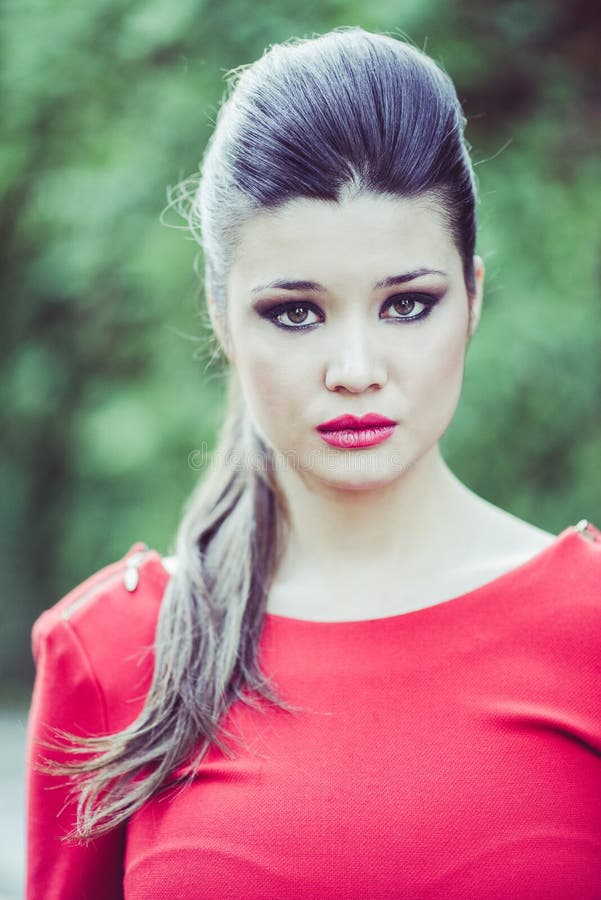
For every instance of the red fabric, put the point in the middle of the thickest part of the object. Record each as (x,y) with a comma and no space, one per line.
(451,752)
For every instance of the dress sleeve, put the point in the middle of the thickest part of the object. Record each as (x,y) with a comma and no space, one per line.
(66,695)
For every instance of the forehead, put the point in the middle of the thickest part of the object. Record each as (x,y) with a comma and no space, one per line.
(364,235)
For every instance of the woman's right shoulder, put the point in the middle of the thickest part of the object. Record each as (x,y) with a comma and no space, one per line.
(104,628)
(119,594)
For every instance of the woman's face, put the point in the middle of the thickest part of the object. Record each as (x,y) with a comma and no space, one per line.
(351,308)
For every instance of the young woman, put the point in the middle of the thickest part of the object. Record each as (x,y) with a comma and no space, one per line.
(354,677)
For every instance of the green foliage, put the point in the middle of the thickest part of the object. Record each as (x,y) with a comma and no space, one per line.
(105,390)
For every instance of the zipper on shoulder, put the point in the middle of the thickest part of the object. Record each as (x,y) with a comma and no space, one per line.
(585,528)
(128,572)
(131,577)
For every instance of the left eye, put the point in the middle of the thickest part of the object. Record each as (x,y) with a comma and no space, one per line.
(406,304)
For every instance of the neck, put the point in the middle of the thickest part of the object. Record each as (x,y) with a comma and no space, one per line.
(345,533)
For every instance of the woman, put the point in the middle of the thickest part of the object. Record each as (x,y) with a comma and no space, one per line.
(355,678)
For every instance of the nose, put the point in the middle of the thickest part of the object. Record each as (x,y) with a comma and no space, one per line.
(354,363)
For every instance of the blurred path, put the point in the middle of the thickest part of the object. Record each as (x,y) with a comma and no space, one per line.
(12,799)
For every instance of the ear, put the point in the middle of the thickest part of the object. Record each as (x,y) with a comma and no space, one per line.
(475,299)
(219,326)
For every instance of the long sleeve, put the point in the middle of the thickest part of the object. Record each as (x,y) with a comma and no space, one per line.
(67,696)
(94,661)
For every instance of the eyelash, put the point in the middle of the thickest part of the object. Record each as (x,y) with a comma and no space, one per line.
(427,300)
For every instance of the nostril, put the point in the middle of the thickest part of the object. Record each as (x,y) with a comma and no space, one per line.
(358,374)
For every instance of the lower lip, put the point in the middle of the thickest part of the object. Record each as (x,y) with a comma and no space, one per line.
(353,439)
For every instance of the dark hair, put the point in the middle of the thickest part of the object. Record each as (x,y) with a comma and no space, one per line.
(344,113)
(327,118)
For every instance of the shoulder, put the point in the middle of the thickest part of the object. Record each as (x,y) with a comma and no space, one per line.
(505,541)
(103,630)
(580,557)
(564,568)
(121,592)
(574,556)
(567,576)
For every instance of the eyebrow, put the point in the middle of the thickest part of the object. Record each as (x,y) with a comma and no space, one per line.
(284,285)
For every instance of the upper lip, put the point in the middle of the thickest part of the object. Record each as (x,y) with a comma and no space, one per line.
(370,420)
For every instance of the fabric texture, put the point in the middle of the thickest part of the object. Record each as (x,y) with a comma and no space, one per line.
(449,752)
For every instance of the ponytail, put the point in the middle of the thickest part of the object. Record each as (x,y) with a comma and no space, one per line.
(207,636)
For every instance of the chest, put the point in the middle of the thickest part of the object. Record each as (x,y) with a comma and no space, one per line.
(399,779)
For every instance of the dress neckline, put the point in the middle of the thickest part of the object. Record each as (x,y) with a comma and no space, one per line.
(440,607)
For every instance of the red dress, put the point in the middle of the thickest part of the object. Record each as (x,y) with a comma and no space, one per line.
(450,752)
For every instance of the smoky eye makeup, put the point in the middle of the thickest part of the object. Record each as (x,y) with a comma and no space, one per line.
(303,315)
(293,315)
(410,306)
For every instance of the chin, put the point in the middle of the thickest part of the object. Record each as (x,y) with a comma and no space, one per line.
(345,479)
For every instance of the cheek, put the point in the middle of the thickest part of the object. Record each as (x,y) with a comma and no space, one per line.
(437,376)
(451,361)
(271,387)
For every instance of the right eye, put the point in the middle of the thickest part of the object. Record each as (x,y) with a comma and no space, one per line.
(297,314)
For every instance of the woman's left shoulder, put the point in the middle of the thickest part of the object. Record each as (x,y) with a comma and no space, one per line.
(585,545)
(510,538)
(571,566)
(588,531)
(565,564)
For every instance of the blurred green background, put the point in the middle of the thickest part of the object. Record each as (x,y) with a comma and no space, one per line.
(105,388)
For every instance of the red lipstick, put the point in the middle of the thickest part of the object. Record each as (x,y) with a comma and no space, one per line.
(353,432)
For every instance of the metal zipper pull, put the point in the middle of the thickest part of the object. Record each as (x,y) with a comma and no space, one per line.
(583,527)
(131,576)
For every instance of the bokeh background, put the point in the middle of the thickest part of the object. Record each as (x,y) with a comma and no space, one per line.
(106,387)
